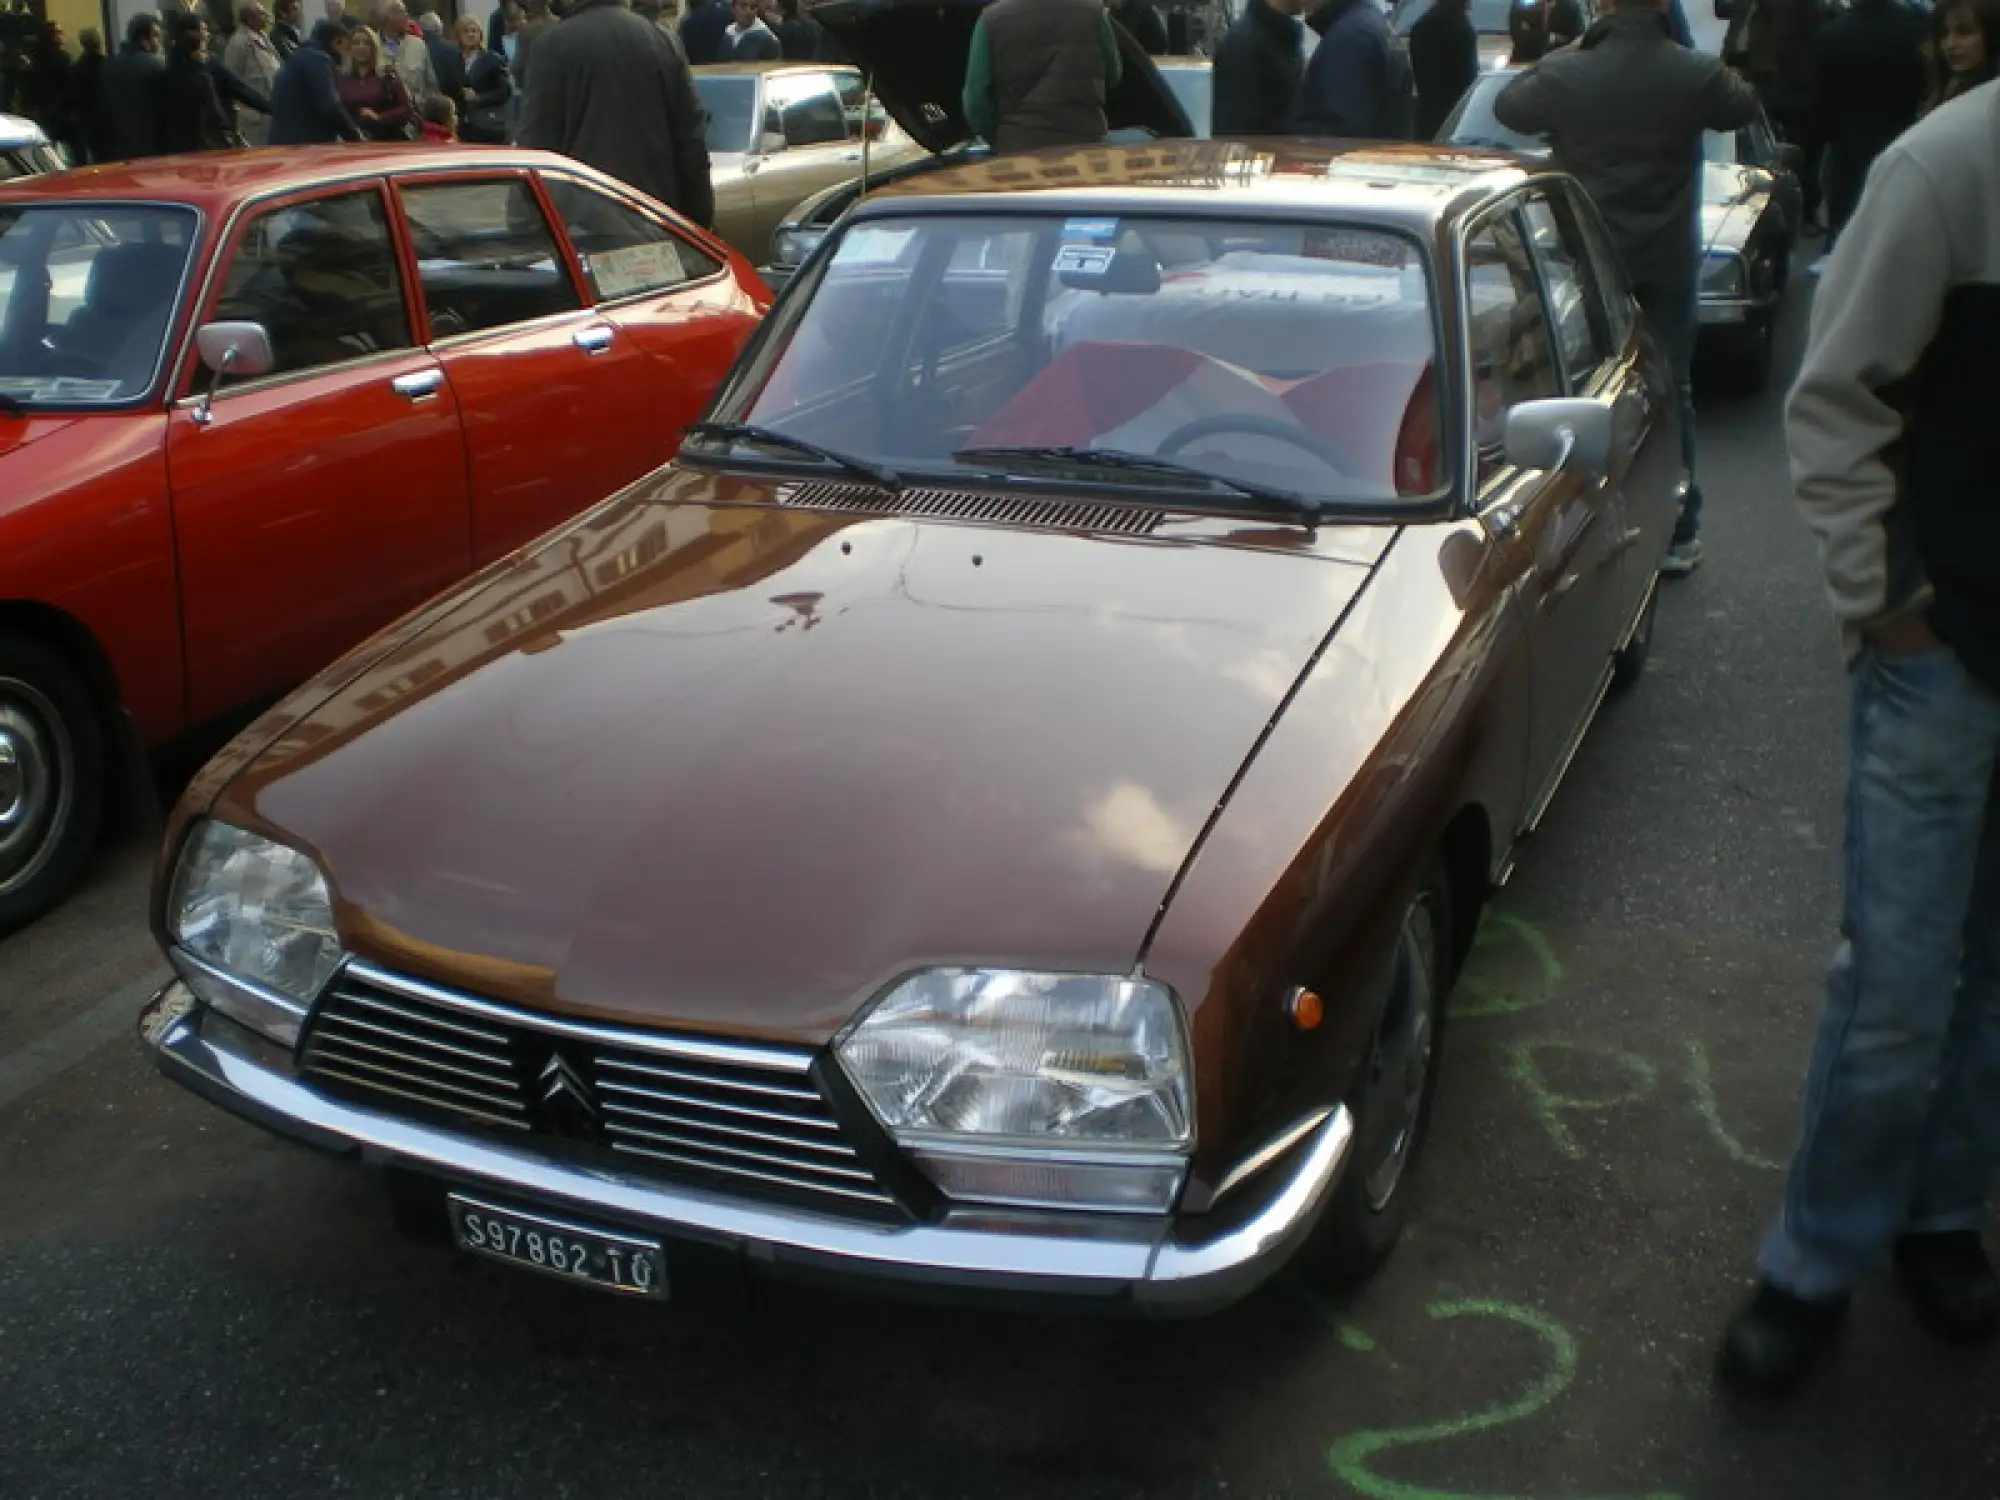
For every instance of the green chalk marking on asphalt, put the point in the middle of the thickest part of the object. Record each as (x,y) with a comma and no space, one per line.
(1352,1335)
(1481,996)
(1351,1458)
(1701,1079)
(1550,1107)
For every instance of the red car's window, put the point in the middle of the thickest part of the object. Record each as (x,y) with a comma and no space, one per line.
(321,277)
(623,252)
(485,256)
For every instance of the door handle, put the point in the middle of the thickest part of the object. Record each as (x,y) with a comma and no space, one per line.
(595,339)
(850,156)
(420,386)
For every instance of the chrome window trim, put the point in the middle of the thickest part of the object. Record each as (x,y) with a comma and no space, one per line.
(796,1060)
(294,377)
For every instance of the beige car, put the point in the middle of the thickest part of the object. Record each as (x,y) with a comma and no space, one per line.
(779,132)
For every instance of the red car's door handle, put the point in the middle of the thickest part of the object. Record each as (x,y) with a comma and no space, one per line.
(418,386)
(595,339)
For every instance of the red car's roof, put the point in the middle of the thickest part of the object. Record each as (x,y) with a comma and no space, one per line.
(218,180)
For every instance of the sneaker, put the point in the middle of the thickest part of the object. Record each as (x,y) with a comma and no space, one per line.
(1950,1282)
(1682,558)
(1776,1341)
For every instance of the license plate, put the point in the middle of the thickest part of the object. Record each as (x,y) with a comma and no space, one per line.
(556,1247)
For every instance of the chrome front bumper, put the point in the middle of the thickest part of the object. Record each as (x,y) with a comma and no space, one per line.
(1163,1267)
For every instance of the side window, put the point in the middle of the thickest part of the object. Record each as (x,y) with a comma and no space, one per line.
(321,277)
(804,109)
(623,252)
(1578,314)
(1620,313)
(1512,360)
(485,256)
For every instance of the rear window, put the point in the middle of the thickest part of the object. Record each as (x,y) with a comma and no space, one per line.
(1292,356)
(87,295)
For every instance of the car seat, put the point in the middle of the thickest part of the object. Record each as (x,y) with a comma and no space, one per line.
(127,300)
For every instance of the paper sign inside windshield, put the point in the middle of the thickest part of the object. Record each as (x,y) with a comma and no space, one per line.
(635,268)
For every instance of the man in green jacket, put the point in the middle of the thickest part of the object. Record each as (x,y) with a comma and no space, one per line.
(1038,73)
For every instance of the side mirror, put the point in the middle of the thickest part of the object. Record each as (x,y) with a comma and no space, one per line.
(1791,158)
(1567,434)
(242,349)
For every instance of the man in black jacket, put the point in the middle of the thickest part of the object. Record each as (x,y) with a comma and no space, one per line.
(128,93)
(1869,83)
(610,90)
(1444,57)
(1139,18)
(1358,82)
(701,31)
(305,101)
(285,33)
(1257,69)
(1624,111)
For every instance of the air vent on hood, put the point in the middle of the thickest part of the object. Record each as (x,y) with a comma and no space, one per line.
(965,505)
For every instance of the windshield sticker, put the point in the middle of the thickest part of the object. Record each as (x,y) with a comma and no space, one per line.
(1090,229)
(59,388)
(1083,260)
(634,268)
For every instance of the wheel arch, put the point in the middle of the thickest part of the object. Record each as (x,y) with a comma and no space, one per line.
(128,775)
(1466,847)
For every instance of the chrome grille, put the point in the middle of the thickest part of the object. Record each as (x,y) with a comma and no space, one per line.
(964,505)
(716,1113)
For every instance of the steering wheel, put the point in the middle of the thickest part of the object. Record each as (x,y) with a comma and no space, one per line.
(1269,427)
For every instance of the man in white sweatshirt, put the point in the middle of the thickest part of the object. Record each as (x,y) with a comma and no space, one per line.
(1895,454)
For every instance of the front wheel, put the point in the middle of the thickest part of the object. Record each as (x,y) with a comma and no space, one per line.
(51,778)
(1392,1101)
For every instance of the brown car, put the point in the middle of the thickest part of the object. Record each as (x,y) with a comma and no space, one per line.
(1003,811)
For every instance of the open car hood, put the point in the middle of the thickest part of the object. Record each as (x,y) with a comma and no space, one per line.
(914,51)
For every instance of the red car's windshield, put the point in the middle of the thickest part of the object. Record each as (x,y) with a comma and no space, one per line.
(87,293)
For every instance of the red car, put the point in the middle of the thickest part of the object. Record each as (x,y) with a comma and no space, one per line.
(255,406)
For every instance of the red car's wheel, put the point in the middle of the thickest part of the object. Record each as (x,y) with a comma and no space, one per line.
(51,778)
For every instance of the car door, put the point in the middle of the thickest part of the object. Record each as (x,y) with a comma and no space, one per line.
(1562,528)
(807,124)
(669,296)
(552,391)
(325,498)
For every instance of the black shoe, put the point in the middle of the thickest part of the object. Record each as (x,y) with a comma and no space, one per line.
(1951,1283)
(1778,1340)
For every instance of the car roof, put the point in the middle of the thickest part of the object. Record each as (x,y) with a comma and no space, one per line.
(1409,186)
(769,65)
(216,181)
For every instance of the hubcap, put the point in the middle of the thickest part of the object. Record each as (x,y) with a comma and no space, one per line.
(1400,1069)
(37,781)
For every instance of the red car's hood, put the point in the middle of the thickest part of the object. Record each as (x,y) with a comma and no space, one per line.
(730,767)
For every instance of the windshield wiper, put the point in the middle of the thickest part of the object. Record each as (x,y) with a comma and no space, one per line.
(771,437)
(1306,506)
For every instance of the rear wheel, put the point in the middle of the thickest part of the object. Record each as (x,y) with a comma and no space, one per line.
(51,778)
(1392,1101)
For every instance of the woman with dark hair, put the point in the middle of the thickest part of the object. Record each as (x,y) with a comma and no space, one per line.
(372,93)
(191,114)
(1965,48)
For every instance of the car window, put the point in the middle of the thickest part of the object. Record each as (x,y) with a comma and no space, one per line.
(805,109)
(1473,123)
(622,251)
(1508,330)
(485,257)
(321,276)
(1606,268)
(87,293)
(1581,335)
(730,102)
(1286,355)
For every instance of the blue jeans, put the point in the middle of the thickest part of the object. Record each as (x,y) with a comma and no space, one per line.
(1673,316)
(1902,1108)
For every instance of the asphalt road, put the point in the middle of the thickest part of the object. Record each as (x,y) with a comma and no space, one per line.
(190,1308)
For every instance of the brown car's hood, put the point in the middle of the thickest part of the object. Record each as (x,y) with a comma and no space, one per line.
(731,767)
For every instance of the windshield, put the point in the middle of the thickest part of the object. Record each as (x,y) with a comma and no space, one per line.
(1473,123)
(1279,356)
(731,102)
(1194,87)
(87,293)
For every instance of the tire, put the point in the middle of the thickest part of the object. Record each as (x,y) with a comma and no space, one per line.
(51,778)
(1629,664)
(416,1206)
(1391,1104)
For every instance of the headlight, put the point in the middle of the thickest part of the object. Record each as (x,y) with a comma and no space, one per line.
(1722,274)
(793,243)
(1045,1090)
(254,925)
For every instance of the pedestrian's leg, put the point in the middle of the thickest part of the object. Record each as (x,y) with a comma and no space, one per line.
(1921,773)
(1673,317)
